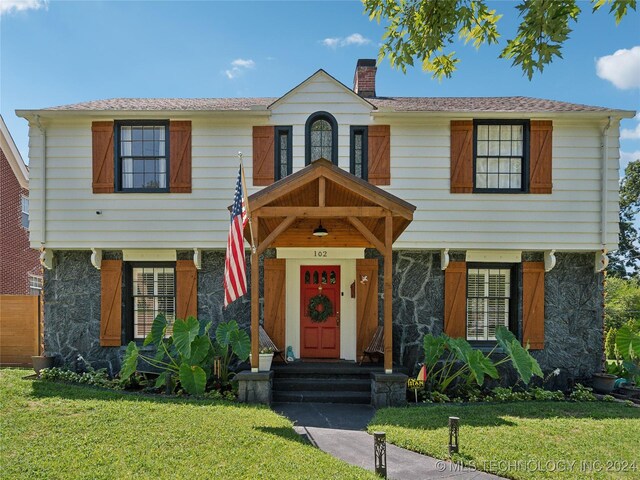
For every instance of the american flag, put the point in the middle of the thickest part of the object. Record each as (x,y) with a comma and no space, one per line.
(235,277)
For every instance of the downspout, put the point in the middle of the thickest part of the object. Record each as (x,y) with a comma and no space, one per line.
(602,261)
(43,185)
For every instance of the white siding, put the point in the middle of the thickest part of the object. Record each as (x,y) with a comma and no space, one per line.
(568,219)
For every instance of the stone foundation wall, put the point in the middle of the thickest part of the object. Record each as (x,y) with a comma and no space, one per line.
(574,297)
(573,307)
(72,312)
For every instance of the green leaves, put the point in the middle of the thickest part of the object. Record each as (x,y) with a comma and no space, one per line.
(158,330)
(426,30)
(229,335)
(130,361)
(433,349)
(240,344)
(184,332)
(193,379)
(628,343)
(481,366)
(522,361)
(199,350)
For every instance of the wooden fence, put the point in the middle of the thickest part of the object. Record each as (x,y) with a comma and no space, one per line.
(20,329)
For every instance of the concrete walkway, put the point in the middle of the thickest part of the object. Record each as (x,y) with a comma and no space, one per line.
(339,430)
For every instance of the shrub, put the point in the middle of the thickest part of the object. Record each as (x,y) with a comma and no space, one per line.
(538,393)
(98,378)
(581,393)
(610,344)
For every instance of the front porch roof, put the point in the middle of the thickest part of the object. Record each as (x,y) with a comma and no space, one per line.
(351,209)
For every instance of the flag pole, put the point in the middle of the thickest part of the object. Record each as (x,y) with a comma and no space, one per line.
(246,202)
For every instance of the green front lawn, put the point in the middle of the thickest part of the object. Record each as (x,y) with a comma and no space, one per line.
(525,440)
(51,430)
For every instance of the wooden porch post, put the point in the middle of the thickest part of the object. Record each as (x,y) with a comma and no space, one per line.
(388,294)
(255,301)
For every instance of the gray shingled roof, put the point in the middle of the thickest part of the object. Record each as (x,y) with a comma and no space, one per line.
(399,104)
(151,104)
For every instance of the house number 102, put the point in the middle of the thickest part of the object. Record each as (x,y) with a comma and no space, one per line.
(320,253)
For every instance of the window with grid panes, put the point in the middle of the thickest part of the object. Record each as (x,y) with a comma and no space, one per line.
(142,156)
(153,292)
(358,164)
(35,284)
(24,210)
(490,301)
(501,156)
(283,152)
(321,138)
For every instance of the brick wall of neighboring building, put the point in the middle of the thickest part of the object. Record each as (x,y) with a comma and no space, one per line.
(17,259)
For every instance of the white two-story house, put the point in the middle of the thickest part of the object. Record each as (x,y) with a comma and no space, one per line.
(418,214)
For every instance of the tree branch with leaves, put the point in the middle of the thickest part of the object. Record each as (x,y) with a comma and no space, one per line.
(425,30)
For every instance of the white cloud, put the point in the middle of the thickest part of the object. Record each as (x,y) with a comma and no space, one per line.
(238,67)
(331,42)
(9,6)
(241,63)
(353,39)
(630,133)
(622,68)
(626,158)
(356,39)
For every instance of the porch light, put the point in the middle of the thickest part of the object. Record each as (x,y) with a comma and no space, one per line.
(320,231)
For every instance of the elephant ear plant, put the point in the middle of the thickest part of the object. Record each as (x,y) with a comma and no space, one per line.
(189,354)
(450,360)
(628,345)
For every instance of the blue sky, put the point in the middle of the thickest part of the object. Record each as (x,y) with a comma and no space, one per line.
(54,53)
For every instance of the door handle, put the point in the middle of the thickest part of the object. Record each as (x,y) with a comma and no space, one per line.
(338,319)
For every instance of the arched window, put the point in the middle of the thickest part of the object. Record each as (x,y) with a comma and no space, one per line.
(321,138)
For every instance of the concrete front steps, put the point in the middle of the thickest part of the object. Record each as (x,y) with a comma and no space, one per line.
(323,382)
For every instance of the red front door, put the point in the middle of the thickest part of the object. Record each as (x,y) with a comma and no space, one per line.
(320,287)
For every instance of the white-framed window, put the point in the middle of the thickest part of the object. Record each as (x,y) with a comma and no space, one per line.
(35,284)
(489,300)
(24,207)
(152,292)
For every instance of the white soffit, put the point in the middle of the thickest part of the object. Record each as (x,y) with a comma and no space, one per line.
(497,256)
(138,255)
(320,253)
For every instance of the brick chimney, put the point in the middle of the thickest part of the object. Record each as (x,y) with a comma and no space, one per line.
(364,80)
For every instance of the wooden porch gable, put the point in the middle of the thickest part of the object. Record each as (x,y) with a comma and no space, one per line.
(354,212)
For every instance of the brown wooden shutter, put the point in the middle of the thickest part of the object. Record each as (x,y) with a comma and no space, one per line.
(263,156)
(533,304)
(366,303)
(461,156)
(180,156)
(102,147)
(455,299)
(186,289)
(379,153)
(540,153)
(275,286)
(111,303)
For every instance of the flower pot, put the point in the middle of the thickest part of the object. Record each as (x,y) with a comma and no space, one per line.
(40,362)
(603,382)
(264,362)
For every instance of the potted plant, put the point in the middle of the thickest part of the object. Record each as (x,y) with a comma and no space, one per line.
(266,357)
(604,382)
(40,362)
